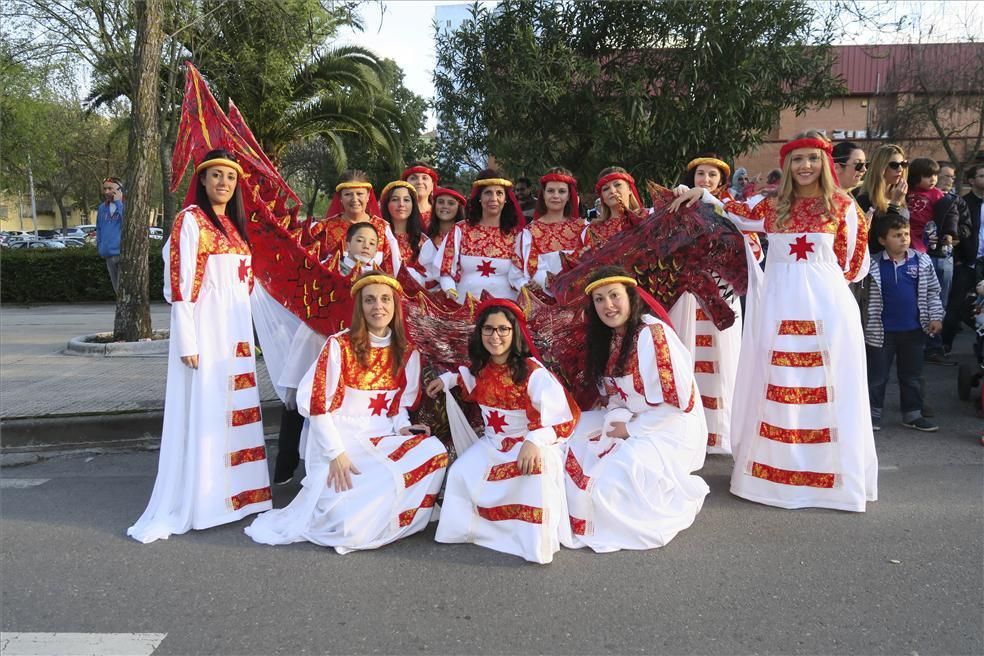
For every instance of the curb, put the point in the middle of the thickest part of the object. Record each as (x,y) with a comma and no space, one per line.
(82,345)
(30,434)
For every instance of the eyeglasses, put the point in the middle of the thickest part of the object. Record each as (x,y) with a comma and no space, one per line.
(503,331)
(904,164)
(860,166)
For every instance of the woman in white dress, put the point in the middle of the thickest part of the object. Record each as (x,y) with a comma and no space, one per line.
(212,468)
(629,481)
(449,209)
(506,491)
(482,253)
(801,425)
(372,476)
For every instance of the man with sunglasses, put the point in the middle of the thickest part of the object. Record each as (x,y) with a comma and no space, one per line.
(850,165)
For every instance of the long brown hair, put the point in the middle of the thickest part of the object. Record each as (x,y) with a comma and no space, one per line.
(787,187)
(359,333)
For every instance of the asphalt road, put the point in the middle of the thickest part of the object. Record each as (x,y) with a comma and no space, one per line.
(905,577)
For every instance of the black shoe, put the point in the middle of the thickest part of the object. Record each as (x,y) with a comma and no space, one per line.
(939,358)
(921,424)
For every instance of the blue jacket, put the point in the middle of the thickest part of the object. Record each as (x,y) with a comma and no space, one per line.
(109,228)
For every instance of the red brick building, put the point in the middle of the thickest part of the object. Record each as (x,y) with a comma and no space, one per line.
(886,86)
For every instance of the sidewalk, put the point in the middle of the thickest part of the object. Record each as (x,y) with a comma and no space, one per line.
(53,400)
(49,398)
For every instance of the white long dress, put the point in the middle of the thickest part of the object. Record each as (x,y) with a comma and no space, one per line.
(487,501)
(801,426)
(359,411)
(639,492)
(477,258)
(212,468)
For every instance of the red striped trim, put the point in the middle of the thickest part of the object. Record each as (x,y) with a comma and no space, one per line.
(710,402)
(376,440)
(243,381)
(509,470)
(404,448)
(516,511)
(702,316)
(705,340)
(247,455)
(712,439)
(578,526)
(249,497)
(574,470)
(406,517)
(797,395)
(664,364)
(246,416)
(798,327)
(413,477)
(790,477)
(243,350)
(705,367)
(508,443)
(796,359)
(607,451)
(795,435)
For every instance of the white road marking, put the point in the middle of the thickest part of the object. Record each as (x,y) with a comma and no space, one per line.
(79,644)
(21,483)
(888,467)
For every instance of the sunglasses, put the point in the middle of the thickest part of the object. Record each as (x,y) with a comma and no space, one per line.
(860,166)
(895,166)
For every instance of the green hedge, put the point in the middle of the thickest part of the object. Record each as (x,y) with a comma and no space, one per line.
(69,275)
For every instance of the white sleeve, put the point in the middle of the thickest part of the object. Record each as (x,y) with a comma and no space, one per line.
(394,254)
(548,397)
(447,272)
(324,442)
(184,336)
(301,355)
(665,364)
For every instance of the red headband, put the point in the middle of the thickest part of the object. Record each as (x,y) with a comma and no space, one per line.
(618,175)
(510,198)
(571,183)
(517,312)
(420,169)
(444,191)
(809,142)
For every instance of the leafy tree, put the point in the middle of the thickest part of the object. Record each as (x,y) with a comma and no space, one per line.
(539,83)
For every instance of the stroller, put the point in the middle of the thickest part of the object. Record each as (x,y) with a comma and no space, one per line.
(970,374)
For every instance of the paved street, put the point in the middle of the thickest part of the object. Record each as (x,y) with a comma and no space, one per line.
(905,577)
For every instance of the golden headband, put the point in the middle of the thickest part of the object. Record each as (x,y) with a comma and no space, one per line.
(353,185)
(399,183)
(488,182)
(220,161)
(376,279)
(713,161)
(610,280)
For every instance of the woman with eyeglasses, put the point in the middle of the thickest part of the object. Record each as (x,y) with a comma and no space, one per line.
(506,491)
(849,165)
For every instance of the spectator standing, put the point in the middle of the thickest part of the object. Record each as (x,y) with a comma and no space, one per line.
(109,228)
(904,304)
(850,164)
(968,254)
(948,214)
(525,194)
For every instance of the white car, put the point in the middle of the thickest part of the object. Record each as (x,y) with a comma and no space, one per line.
(156,233)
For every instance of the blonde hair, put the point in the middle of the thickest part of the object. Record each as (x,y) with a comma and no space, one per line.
(787,186)
(874,182)
(605,212)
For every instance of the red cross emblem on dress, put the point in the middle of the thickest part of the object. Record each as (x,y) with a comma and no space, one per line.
(378,404)
(243,270)
(496,421)
(801,248)
(486,268)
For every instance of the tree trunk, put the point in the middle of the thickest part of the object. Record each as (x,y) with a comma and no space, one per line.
(170,119)
(133,300)
(60,202)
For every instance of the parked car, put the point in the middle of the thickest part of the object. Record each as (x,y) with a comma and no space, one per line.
(74,243)
(38,243)
(87,228)
(156,233)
